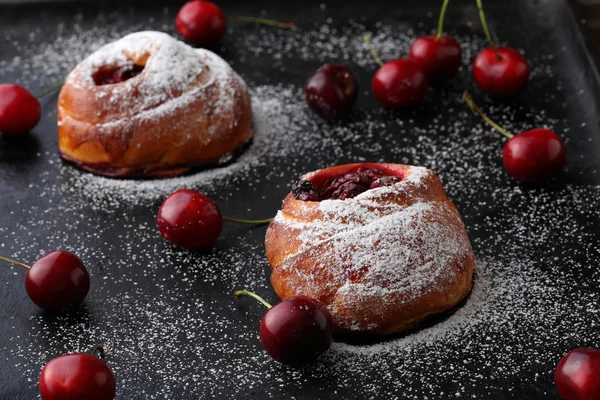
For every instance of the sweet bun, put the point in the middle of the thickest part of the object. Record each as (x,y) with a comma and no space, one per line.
(381,261)
(149,105)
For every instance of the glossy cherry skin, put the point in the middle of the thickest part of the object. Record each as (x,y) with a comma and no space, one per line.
(201,23)
(296,331)
(77,377)
(400,83)
(440,59)
(20,111)
(57,280)
(189,220)
(577,376)
(534,156)
(332,90)
(505,77)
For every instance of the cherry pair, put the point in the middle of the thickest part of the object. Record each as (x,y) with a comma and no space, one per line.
(191,220)
(77,377)
(202,23)
(533,156)
(295,331)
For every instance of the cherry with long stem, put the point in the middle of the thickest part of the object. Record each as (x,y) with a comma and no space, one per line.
(533,156)
(296,330)
(203,23)
(499,71)
(439,55)
(193,221)
(57,280)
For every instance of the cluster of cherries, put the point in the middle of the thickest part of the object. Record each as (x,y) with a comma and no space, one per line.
(534,156)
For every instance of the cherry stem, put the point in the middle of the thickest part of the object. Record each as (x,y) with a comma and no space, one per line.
(367,40)
(249,221)
(487,119)
(97,349)
(50,89)
(486,30)
(265,21)
(441,20)
(255,296)
(20,264)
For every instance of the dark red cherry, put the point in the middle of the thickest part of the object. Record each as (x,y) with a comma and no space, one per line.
(57,280)
(77,377)
(534,156)
(20,111)
(577,376)
(400,83)
(189,220)
(295,331)
(502,75)
(439,57)
(201,23)
(331,91)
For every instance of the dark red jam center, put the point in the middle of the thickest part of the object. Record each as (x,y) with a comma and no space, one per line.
(343,187)
(110,76)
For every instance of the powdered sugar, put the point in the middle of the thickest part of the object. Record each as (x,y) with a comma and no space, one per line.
(167,317)
(371,248)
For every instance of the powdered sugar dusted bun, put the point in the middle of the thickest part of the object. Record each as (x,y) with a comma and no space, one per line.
(150,105)
(381,261)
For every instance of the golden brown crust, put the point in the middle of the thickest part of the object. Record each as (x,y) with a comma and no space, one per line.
(380,262)
(141,127)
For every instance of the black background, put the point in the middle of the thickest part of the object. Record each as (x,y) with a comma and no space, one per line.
(34,220)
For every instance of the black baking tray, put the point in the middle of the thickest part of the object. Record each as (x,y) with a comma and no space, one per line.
(167,317)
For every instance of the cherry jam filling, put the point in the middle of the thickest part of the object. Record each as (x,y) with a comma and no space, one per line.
(110,76)
(343,187)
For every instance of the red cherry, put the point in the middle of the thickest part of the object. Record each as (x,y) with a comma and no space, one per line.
(331,91)
(295,331)
(400,83)
(499,71)
(577,375)
(504,74)
(440,58)
(57,280)
(438,54)
(534,156)
(201,23)
(190,220)
(77,377)
(20,111)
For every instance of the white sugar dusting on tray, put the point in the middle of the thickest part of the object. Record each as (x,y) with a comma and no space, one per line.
(535,291)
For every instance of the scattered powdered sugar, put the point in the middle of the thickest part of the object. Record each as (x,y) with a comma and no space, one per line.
(167,317)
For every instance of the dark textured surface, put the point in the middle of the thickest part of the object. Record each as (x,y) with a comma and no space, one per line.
(24,221)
